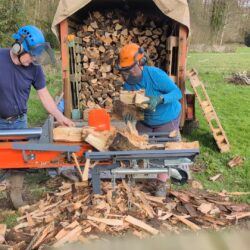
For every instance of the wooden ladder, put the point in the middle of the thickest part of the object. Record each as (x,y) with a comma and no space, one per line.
(209,112)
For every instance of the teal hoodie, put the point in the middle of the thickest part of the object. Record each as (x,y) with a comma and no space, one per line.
(157,83)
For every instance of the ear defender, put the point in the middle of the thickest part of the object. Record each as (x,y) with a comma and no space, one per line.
(16,48)
(144,59)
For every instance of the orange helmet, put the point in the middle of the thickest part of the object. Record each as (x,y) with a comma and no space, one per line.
(129,55)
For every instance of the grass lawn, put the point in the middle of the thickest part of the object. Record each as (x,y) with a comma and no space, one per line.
(36,112)
(232,104)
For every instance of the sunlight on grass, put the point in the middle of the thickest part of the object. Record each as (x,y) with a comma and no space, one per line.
(36,113)
(231,102)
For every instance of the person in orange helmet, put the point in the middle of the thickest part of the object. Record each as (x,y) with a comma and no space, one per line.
(164,109)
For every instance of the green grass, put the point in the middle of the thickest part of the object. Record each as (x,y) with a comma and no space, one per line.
(36,113)
(9,218)
(232,104)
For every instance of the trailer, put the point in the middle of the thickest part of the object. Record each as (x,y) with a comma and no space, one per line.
(72,15)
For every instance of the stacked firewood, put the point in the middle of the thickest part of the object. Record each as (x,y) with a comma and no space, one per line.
(75,214)
(99,39)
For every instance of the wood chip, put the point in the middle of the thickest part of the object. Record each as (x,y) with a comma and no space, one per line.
(196,185)
(236,161)
(205,207)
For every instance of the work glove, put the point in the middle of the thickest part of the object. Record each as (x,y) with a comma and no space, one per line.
(153,102)
(128,117)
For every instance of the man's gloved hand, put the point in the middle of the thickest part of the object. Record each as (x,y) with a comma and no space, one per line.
(128,117)
(153,102)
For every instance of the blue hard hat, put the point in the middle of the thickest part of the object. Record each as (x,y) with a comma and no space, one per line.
(31,38)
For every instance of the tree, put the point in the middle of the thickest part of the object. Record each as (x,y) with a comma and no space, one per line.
(12,17)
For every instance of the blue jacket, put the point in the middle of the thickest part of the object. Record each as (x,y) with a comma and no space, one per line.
(157,83)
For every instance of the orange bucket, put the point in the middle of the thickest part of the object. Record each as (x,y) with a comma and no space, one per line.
(99,119)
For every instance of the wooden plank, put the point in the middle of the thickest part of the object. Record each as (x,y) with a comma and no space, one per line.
(141,224)
(43,235)
(85,175)
(190,224)
(149,210)
(182,145)
(110,222)
(69,237)
(64,31)
(78,166)
(65,230)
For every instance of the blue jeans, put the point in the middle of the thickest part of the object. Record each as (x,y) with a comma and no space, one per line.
(19,123)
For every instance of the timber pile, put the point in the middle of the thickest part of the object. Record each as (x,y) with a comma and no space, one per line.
(75,214)
(96,48)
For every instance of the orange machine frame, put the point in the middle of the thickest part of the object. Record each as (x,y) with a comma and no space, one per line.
(14,158)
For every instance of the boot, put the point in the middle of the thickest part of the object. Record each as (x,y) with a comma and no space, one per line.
(161,190)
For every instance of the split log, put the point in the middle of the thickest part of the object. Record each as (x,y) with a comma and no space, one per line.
(100,140)
(121,143)
(43,235)
(120,109)
(68,134)
(136,98)
(69,237)
(141,101)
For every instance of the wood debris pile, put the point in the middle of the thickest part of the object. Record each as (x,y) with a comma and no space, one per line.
(94,76)
(75,214)
(240,78)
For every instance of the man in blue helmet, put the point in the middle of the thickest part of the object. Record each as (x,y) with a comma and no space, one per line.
(20,68)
